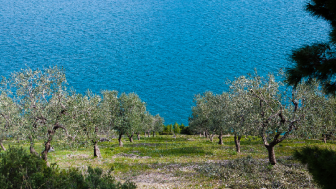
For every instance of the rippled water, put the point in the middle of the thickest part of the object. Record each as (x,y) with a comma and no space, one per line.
(164,50)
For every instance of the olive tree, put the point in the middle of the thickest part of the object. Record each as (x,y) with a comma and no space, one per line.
(127,116)
(279,114)
(200,122)
(146,124)
(41,97)
(320,116)
(157,123)
(110,109)
(241,111)
(219,116)
(85,117)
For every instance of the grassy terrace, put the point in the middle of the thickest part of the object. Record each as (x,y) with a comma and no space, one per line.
(191,162)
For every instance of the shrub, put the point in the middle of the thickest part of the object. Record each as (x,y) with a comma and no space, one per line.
(18,169)
(321,164)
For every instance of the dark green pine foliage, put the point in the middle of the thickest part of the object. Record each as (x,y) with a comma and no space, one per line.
(317,61)
(321,164)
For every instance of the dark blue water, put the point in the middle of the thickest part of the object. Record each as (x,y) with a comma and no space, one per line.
(164,50)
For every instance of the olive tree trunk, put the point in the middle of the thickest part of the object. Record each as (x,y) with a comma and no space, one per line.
(153,133)
(237,142)
(2,146)
(148,134)
(119,139)
(96,151)
(31,148)
(211,137)
(220,137)
(130,138)
(271,154)
(145,134)
(138,135)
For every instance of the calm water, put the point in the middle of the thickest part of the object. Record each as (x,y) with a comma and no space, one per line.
(164,50)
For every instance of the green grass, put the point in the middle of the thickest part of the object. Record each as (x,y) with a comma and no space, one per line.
(184,162)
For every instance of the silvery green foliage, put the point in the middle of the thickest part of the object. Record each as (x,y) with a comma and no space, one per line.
(123,113)
(110,109)
(10,119)
(242,109)
(221,113)
(41,98)
(131,107)
(146,122)
(200,119)
(84,116)
(158,123)
(320,115)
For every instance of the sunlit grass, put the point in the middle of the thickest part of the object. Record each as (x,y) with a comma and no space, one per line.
(182,157)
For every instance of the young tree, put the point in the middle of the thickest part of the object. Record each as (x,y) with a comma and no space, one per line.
(128,115)
(199,121)
(158,124)
(146,123)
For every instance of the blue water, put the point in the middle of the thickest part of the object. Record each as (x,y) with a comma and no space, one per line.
(164,50)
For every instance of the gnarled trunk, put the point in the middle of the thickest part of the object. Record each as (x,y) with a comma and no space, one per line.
(211,137)
(2,146)
(200,134)
(50,137)
(145,134)
(237,142)
(271,154)
(46,149)
(220,137)
(204,133)
(153,133)
(31,148)
(138,135)
(130,138)
(96,151)
(119,139)
(148,134)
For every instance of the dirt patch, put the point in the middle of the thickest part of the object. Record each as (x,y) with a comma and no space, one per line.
(159,180)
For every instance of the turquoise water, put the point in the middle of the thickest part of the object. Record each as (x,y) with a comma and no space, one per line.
(164,50)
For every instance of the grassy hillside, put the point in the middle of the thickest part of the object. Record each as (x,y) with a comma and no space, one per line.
(191,162)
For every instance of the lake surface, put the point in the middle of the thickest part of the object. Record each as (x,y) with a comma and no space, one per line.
(166,51)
